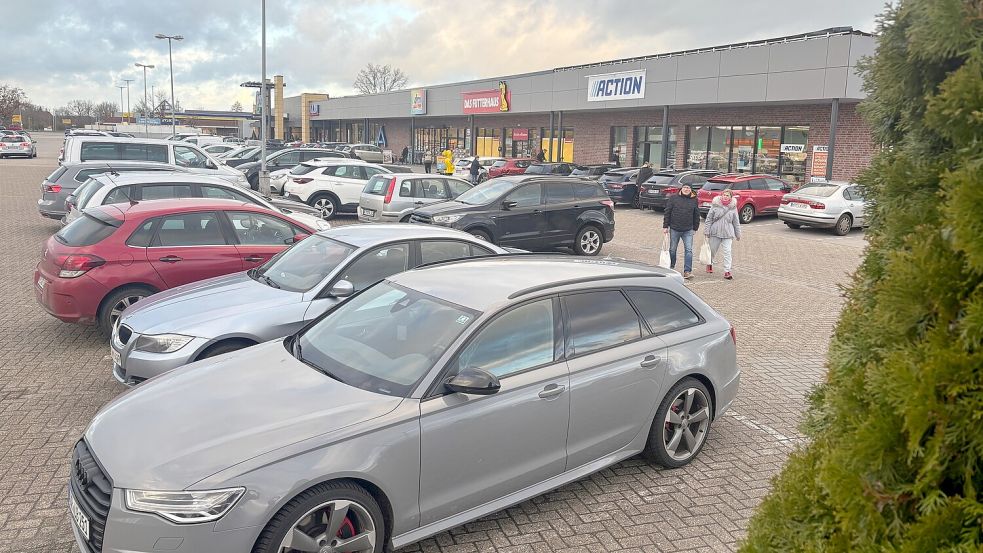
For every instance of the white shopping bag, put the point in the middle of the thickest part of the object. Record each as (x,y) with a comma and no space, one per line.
(706,258)
(664,252)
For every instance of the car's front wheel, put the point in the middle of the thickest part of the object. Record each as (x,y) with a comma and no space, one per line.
(333,517)
(843,225)
(588,241)
(681,424)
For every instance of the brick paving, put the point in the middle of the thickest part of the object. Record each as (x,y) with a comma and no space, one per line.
(783,302)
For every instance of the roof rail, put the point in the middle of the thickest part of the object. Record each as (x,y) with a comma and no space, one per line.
(488,256)
(593,278)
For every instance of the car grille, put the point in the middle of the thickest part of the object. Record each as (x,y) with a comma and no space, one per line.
(93,494)
(422,219)
(124,334)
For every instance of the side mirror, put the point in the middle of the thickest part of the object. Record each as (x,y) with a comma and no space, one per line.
(509,204)
(473,381)
(296,238)
(786,188)
(341,289)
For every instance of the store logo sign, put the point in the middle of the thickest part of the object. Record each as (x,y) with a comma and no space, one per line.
(627,85)
(488,101)
(418,101)
(315,109)
(793,148)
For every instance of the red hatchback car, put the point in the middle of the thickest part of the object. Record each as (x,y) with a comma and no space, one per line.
(115,255)
(756,194)
(504,167)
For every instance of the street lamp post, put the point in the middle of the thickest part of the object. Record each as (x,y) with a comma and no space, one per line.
(128,81)
(146,106)
(170,58)
(121,88)
(264,174)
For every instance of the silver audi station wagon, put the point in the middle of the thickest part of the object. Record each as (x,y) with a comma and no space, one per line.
(432,398)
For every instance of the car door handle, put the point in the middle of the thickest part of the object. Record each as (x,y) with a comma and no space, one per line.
(170,259)
(253,258)
(420,203)
(650,361)
(552,391)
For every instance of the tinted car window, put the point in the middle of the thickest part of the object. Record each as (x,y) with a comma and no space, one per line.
(537,170)
(716,185)
(774,184)
(144,152)
(526,196)
(190,229)
(165,191)
(98,150)
(598,320)
(745,185)
(141,236)
(344,171)
(85,192)
(588,190)
(87,230)
(376,265)
(57,173)
(84,174)
(430,188)
(758,184)
(559,192)
(121,194)
(432,251)
(288,158)
(369,172)
(457,187)
(378,185)
(662,311)
(853,193)
(189,157)
(256,229)
(519,339)
(499,163)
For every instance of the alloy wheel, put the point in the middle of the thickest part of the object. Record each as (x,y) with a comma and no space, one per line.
(337,526)
(121,306)
(590,241)
(324,207)
(686,424)
(747,213)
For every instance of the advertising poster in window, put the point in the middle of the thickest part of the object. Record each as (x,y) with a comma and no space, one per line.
(745,154)
(819,158)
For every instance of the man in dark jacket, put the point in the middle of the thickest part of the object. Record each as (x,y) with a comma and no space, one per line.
(475,170)
(630,191)
(681,221)
(541,156)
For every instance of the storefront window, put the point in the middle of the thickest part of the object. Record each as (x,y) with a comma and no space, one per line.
(619,145)
(521,142)
(649,144)
(698,140)
(793,164)
(742,152)
(719,151)
(768,148)
(671,154)
(488,142)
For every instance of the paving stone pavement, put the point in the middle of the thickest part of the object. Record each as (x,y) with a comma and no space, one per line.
(783,302)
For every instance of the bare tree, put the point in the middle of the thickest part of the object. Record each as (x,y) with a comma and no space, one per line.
(104,110)
(379,78)
(10,99)
(81,108)
(237,106)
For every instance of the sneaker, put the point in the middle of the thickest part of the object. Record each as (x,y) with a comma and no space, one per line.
(728,276)
(709,268)
(687,275)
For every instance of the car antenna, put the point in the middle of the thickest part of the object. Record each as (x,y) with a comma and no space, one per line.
(112,171)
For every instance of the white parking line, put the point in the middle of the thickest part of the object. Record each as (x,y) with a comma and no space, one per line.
(755,425)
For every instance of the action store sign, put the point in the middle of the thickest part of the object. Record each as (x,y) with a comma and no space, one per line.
(627,85)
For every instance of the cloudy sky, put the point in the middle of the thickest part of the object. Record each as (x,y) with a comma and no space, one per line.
(72,49)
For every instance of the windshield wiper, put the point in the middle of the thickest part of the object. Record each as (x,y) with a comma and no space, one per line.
(298,353)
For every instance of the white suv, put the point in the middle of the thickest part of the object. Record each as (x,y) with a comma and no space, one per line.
(331,186)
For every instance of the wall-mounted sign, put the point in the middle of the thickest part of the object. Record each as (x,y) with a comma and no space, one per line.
(520,134)
(148,120)
(418,101)
(820,156)
(793,148)
(380,139)
(627,85)
(314,109)
(488,101)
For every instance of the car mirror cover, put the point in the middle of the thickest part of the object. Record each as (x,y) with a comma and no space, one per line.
(473,380)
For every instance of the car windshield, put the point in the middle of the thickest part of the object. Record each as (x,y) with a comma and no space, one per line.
(486,192)
(385,340)
(661,179)
(580,171)
(822,191)
(303,266)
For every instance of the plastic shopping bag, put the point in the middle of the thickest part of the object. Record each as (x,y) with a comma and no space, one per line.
(706,258)
(664,252)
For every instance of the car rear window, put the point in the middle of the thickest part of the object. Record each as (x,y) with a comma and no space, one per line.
(713,185)
(13,139)
(580,171)
(661,179)
(91,228)
(823,191)
(57,173)
(377,185)
(522,163)
(588,190)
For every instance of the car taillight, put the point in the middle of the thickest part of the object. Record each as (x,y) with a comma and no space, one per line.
(76,265)
(733,334)
(670,190)
(817,205)
(609,203)
(389,190)
(302,180)
(785,201)
(52,188)
(25,143)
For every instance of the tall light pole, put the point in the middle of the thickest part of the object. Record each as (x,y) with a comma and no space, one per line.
(128,81)
(121,88)
(264,175)
(146,106)
(170,58)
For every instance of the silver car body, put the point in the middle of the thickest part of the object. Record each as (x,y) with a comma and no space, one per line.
(17,145)
(262,420)
(409,191)
(219,149)
(822,204)
(239,307)
(366,152)
(462,167)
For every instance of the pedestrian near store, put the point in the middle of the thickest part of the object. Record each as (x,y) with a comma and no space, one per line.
(406,152)
(722,227)
(630,191)
(447,162)
(541,156)
(475,170)
(427,161)
(680,222)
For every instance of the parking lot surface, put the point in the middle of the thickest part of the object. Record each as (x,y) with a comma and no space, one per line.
(783,302)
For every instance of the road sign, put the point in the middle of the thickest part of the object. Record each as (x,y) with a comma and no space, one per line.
(66,121)
(15,118)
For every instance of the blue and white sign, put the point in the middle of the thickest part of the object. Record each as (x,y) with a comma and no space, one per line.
(315,109)
(627,85)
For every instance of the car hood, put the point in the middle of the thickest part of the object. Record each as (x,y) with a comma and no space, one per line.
(183,426)
(184,308)
(312,221)
(444,207)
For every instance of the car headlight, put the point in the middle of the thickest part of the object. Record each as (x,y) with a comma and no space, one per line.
(446,219)
(184,507)
(161,343)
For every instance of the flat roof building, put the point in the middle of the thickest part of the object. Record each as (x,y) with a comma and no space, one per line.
(784,106)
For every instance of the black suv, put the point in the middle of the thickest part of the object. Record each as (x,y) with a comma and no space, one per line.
(666,182)
(530,212)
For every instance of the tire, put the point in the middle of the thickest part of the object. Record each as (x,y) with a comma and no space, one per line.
(326,204)
(115,303)
(481,235)
(793,226)
(362,517)
(843,225)
(664,431)
(747,214)
(588,241)
(227,346)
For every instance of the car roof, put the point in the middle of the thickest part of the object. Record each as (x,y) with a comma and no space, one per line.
(469,282)
(152,208)
(326,162)
(127,140)
(138,177)
(734,177)
(419,176)
(369,235)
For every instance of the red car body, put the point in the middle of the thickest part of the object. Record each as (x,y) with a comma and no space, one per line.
(515,166)
(756,194)
(140,246)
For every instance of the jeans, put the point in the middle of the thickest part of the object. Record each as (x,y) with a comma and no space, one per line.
(716,243)
(687,236)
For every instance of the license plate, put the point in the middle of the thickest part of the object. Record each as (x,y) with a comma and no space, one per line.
(705,204)
(796,205)
(368,212)
(117,360)
(81,521)
(42,283)
(653,192)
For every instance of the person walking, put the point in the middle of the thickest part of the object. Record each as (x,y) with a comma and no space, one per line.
(541,156)
(475,170)
(406,152)
(629,194)
(722,227)
(427,161)
(681,221)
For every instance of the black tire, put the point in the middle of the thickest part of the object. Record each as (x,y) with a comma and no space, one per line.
(481,235)
(589,241)
(843,225)
(284,521)
(227,346)
(656,449)
(793,226)
(106,317)
(326,204)
(405,219)
(747,214)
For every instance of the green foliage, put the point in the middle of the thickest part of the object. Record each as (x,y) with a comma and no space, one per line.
(895,461)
